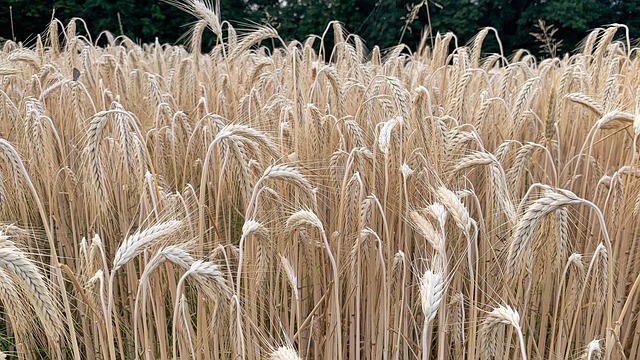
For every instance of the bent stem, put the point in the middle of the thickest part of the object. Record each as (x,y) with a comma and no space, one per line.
(54,252)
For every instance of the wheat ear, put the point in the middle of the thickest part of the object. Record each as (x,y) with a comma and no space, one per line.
(141,240)
(594,351)
(528,223)
(284,353)
(501,315)
(431,291)
(15,261)
(15,307)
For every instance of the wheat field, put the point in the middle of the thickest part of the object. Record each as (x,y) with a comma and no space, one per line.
(317,199)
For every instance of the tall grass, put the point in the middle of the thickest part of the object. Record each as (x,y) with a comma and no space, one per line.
(289,202)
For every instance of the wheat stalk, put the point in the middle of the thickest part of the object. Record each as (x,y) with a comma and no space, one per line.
(175,254)
(308,218)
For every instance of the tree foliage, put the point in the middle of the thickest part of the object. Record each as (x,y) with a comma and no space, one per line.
(381,22)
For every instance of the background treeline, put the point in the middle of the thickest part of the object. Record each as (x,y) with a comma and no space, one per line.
(378,22)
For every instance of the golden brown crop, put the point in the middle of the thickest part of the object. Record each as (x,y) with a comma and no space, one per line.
(291,202)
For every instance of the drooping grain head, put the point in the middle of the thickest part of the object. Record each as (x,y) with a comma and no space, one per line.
(141,240)
(594,351)
(431,289)
(284,353)
(302,218)
(455,207)
(15,262)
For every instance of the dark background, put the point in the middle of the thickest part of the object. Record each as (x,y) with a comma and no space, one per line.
(378,22)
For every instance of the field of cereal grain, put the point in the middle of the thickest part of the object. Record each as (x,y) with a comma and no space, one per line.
(298,200)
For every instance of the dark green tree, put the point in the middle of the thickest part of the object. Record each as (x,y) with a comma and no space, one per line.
(378,22)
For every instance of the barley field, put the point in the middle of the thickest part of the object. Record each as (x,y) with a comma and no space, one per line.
(317,199)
